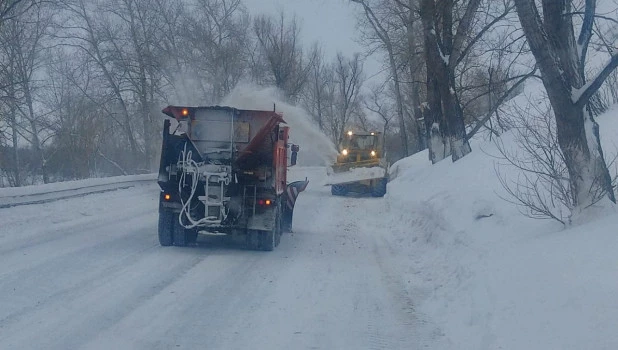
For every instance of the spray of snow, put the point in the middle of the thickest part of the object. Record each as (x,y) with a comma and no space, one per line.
(316,149)
(188,90)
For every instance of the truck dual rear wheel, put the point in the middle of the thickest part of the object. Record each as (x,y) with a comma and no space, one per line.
(272,238)
(171,232)
(267,240)
(183,236)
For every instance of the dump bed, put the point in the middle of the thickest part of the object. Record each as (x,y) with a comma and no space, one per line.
(225,132)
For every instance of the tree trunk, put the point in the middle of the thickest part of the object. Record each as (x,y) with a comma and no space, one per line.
(438,144)
(13,120)
(441,49)
(578,137)
(454,119)
(414,63)
(36,143)
(318,97)
(445,79)
(399,99)
(16,170)
(553,44)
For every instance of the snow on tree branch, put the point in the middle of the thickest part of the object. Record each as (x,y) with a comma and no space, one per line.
(581,95)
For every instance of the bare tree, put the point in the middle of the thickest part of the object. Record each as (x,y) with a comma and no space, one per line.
(95,36)
(10,100)
(377,103)
(348,79)
(444,48)
(315,97)
(452,30)
(413,61)
(541,189)
(9,9)
(381,29)
(174,51)
(278,41)
(75,120)
(133,53)
(24,36)
(561,58)
(216,40)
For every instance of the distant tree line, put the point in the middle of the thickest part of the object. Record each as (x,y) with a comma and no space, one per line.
(83,81)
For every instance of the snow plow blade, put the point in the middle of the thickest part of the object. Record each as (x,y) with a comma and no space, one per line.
(353,175)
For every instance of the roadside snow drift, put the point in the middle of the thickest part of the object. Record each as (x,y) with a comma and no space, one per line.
(489,278)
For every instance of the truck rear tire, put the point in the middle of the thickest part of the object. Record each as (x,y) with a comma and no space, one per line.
(183,236)
(338,190)
(267,240)
(165,227)
(278,223)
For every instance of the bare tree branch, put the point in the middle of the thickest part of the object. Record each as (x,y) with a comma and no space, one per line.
(480,123)
(596,83)
(482,32)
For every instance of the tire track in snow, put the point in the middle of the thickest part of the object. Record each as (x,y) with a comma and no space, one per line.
(181,313)
(390,317)
(429,334)
(18,233)
(98,293)
(57,274)
(325,287)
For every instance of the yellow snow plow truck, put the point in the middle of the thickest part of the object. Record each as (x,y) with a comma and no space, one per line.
(361,166)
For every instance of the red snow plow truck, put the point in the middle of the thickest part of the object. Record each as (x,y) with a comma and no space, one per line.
(224,171)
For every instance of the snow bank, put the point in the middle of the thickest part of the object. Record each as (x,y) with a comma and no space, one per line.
(72,185)
(489,278)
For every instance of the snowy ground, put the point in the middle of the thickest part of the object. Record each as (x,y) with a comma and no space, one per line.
(491,278)
(439,263)
(88,273)
(12,196)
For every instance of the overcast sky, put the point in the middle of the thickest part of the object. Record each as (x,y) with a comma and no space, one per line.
(330,22)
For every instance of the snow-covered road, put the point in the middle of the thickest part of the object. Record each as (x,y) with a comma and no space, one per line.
(89,273)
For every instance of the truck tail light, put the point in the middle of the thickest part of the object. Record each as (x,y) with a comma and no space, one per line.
(265,202)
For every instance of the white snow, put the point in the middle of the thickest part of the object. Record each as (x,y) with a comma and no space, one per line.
(315,147)
(576,93)
(441,262)
(492,279)
(71,185)
(11,196)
